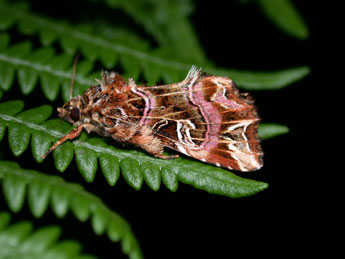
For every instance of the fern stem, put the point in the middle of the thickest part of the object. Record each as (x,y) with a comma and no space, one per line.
(133,162)
(95,204)
(44,68)
(246,79)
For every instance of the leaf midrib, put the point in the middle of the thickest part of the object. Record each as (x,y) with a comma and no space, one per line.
(57,134)
(119,154)
(54,181)
(43,23)
(44,68)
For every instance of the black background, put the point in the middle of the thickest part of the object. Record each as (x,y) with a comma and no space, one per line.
(190,223)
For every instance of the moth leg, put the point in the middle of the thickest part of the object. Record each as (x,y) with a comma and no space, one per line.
(145,139)
(155,147)
(71,135)
(167,157)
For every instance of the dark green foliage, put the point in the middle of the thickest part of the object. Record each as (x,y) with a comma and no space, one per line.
(136,166)
(134,58)
(40,59)
(285,16)
(44,190)
(19,240)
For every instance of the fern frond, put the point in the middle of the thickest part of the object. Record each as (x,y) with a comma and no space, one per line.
(133,60)
(270,130)
(286,17)
(19,240)
(44,190)
(161,19)
(135,165)
(53,71)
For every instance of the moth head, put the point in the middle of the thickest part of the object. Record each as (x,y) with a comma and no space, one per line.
(71,110)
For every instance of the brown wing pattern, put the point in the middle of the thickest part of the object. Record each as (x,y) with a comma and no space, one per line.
(206,117)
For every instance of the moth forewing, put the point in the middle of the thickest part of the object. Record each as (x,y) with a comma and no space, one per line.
(204,117)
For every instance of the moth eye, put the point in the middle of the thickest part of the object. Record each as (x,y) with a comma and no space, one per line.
(75,113)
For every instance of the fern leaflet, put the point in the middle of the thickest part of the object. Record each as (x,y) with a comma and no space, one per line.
(18,240)
(43,190)
(33,65)
(285,16)
(163,28)
(135,165)
(132,59)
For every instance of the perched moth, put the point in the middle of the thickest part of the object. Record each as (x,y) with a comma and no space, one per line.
(203,116)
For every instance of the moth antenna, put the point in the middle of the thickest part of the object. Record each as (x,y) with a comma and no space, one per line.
(73,76)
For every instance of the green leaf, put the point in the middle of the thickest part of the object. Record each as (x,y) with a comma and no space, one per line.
(36,115)
(89,50)
(59,201)
(167,22)
(6,75)
(286,17)
(52,70)
(45,189)
(38,198)
(4,40)
(14,234)
(110,168)
(68,44)
(132,58)
(11,107)
(270,130)
(63,156)
(47,37)
(19,134)
(131,172)
(130,64)
(81,208)
(172,75)
(40,143)
(18,138)
(264,80)
(27,27)
(50,85)
(14,192)
(218,181)
(135,165)
(114,231)
(108,58)
(27,79)
(69,249)
(41,239)
(87,162)
(4,219)
(152,175)
(6,21)
(19,240)
(19,50)
(169,178)
(99,220)
(151,73)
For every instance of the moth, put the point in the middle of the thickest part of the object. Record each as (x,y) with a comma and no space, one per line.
(204,117)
